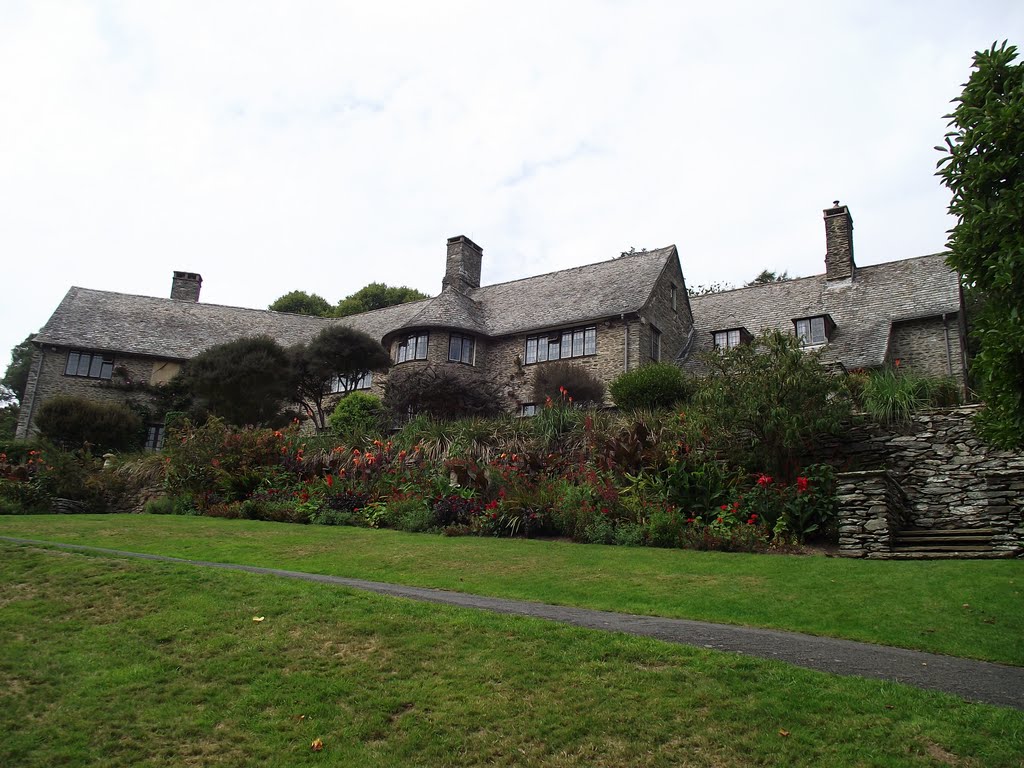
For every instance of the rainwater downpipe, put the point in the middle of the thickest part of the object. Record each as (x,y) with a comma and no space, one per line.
(625,343)
(949,359)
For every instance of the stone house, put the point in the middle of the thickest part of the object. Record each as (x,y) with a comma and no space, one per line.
(608,317)
(907,313)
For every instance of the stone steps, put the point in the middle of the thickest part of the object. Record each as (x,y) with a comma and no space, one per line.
(945,543)
(902,554)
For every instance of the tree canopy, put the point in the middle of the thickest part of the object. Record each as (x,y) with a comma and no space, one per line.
(983,167)
(768,276)
(302,303)
(337,354)
(246,381)
(376,296)
(16,376)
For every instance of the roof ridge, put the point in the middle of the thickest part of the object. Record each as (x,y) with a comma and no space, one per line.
(651,252)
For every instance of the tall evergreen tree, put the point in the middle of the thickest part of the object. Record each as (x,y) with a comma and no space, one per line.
(983,167)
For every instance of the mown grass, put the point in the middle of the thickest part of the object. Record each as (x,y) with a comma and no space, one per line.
(126,663)
(963,608)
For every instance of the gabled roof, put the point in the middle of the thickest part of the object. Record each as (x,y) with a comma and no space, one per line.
(863,308)
(571,296)
(175,329)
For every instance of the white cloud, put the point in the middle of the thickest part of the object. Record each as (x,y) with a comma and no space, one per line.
(322,146)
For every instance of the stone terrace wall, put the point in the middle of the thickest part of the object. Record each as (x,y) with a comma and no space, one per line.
(874,510)
(951,478)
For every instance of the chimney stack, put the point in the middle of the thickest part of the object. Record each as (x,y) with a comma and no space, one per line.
(838,243)
(186,285)
(462,271)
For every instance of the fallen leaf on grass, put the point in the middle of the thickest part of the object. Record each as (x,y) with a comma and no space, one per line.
(258,619)
(783,733)
(317,745)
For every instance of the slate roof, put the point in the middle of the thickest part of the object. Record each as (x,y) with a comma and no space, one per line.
(175,329)
(863,309)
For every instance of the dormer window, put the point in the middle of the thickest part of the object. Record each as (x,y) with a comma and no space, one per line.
(814,331)
(729,338)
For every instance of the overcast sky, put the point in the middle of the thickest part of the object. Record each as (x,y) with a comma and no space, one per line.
(325,145)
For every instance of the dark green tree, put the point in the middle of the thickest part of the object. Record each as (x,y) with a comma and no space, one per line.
(302,303)
(983,167)
(376,296)
(767,403)
(336,354)
(767,276)
(246,381)
(16,376)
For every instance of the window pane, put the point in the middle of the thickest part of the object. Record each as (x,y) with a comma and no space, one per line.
(566,344)
(802,330)
(548,350)
(818,330)
(531,350)
(590,342)
(577,343)
(467,351)
(83,365)
(107,369)
(71,369)
(734,338)
(455,347)
(421,347)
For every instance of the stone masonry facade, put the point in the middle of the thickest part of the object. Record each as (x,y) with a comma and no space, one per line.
(949,478)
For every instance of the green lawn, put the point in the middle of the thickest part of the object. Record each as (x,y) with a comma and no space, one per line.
(963,608)
(129,663)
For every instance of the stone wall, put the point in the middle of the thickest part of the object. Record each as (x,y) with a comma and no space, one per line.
(47,379)
(874,509)
(929,346)
(952,480)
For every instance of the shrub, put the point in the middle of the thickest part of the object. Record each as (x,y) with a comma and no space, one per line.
(567,382)
(768,402)
(892,396)
(356,417)
(658,385)
(444,392)
(164,505)
(74,422)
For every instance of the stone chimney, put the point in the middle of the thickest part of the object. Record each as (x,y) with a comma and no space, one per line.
(462,271)
(838,242)
(186,285)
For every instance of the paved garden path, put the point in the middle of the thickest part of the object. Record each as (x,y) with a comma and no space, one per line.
(980,681)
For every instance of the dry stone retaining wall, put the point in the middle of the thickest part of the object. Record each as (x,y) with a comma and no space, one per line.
(951,479)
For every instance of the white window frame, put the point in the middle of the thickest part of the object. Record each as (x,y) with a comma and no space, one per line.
(340,384)
(812,331)
(418,342)
(466,348)
(561,345)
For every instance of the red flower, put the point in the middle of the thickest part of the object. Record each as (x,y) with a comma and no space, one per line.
(330,481)
(801,484)
(689,520)
(720,520)
(764,480)
(725,506)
